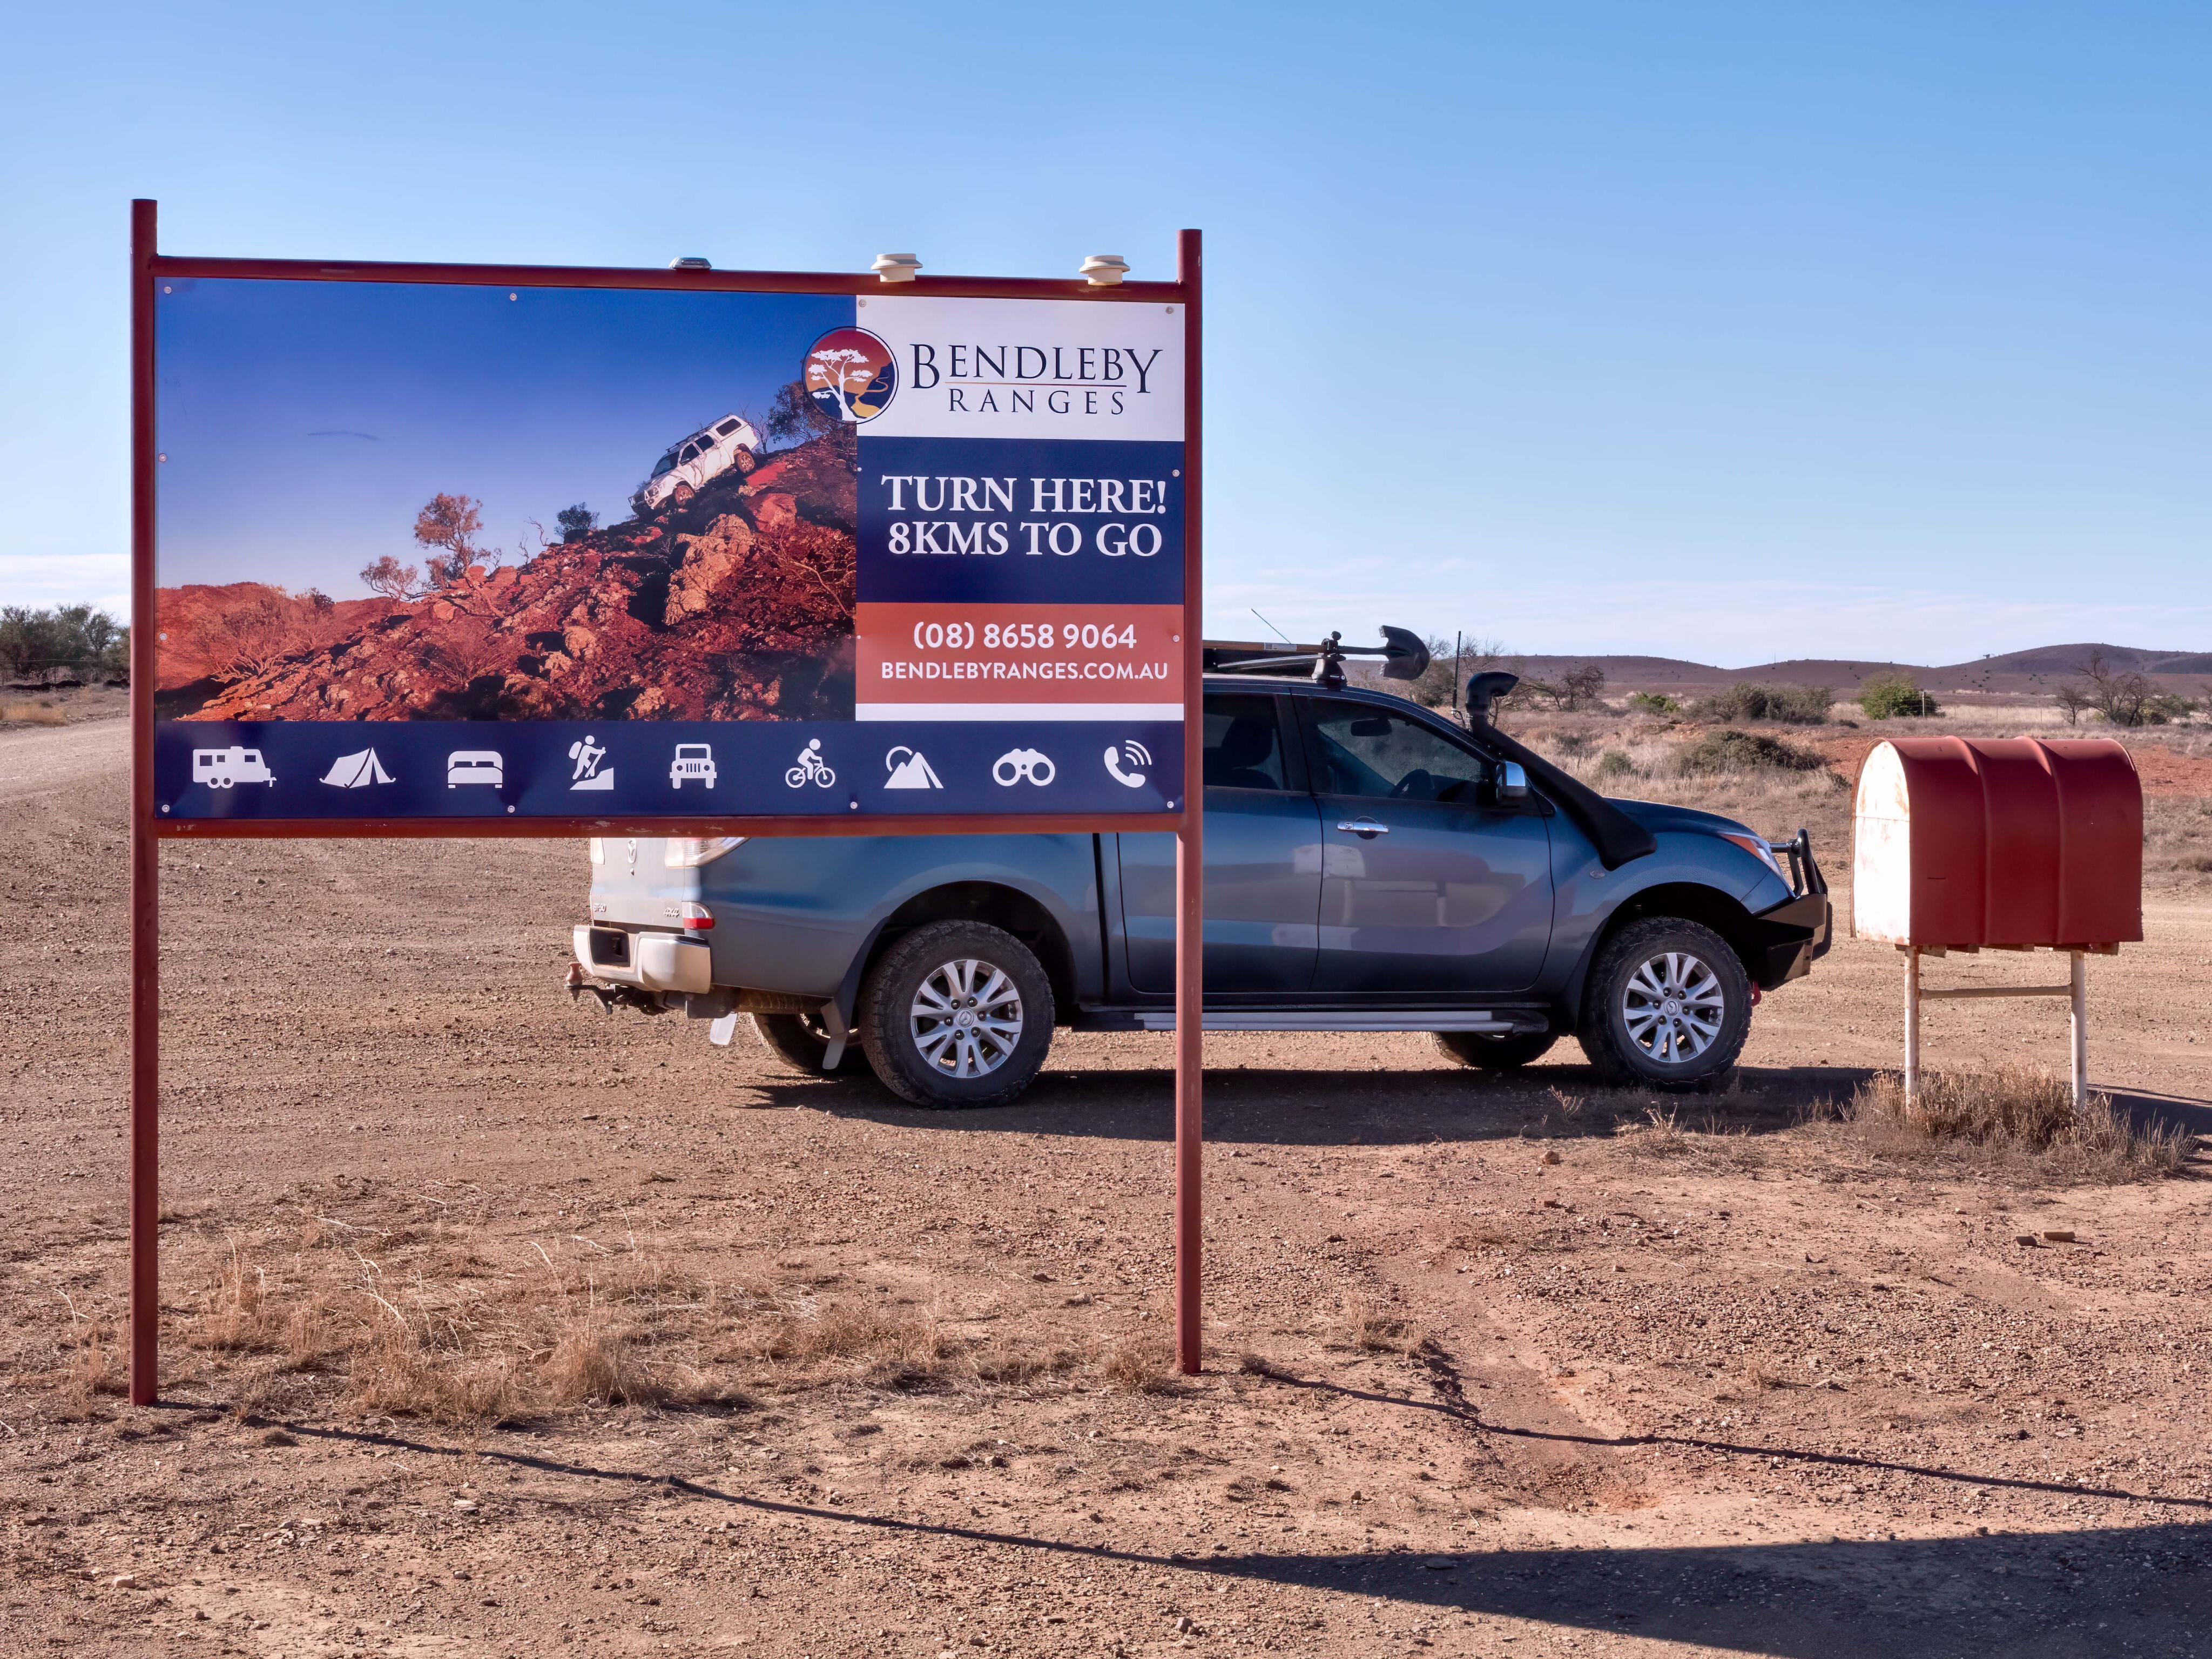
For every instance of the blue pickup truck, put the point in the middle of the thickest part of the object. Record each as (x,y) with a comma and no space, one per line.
(1370,867)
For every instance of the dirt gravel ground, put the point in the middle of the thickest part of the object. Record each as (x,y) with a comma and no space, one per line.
(499,1327)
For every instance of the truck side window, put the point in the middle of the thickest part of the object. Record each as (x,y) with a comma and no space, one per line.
(1367,752)
(1244,743)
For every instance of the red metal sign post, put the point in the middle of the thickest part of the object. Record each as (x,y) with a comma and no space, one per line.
(150,822)
(1190,854)
(145,848)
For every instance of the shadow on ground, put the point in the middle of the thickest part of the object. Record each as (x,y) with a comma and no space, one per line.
(1326,1108)
(2094,1590)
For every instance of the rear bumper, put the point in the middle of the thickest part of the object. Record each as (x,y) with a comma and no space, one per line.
(650,959)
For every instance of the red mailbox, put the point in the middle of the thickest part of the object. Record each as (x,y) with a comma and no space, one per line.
(1962,843)
(2009,843)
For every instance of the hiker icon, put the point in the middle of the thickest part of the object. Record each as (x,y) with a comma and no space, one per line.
(588,755)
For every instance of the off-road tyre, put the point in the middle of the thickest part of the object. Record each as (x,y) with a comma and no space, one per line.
(680,495)
(744,461)
(799,1042)
(1632,1056)
(1490,1054)
(926,968)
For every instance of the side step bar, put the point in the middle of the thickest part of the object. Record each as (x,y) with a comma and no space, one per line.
(1417,1019)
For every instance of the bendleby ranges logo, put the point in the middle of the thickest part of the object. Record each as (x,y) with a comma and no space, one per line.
(852,375)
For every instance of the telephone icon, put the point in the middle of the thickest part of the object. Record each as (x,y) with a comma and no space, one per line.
(1139,755)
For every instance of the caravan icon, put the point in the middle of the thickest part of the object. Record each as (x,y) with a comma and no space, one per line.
(219,769)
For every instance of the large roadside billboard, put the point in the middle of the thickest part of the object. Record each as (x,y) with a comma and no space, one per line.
(462,548)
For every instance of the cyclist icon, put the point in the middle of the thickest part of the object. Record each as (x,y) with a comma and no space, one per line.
(811,767)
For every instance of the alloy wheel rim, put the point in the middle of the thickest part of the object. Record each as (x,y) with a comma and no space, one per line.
(966,1018)
(1673,1006)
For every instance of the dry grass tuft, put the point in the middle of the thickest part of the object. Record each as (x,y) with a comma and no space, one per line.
(90,1370)
(1144,1362)
(593,1360)
(399,1377)
(234,1312)
(1661,1136)
(2024,1112)
(1760,1375)
(32,714)
(1371,1329)
(890,1350)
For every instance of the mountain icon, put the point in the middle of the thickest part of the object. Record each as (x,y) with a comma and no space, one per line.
(912,773)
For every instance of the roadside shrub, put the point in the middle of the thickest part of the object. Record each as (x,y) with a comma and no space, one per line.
(1731,750)
(2124,698)
(80,639)
(1652,702)
(1614,763)
(1787,704)
(2021,1109)
(1893,694)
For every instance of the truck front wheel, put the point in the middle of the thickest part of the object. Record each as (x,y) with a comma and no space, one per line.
(1668,1007)
(956,1013)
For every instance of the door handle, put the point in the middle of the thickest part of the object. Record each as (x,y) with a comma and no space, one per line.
(1366,827)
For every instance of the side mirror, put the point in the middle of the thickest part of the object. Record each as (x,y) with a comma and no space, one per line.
(1512,782)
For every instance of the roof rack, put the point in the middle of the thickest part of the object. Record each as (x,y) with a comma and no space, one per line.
(1404,657)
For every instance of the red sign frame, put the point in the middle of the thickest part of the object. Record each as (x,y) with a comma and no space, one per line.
(149,266)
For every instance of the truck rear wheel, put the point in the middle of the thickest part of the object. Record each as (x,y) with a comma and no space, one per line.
(956,1013)
(1668,1007)
(1491,1053)
(800,1041)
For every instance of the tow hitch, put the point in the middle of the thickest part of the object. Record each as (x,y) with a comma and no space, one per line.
(611,996)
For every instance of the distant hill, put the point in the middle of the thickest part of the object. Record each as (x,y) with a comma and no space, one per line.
(2016,673)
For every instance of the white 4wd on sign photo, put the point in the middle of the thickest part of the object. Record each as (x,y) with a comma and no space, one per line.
(690,461)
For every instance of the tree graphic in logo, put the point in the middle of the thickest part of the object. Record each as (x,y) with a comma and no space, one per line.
(851,373)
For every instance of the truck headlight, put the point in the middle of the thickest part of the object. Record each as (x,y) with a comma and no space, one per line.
(1759,849)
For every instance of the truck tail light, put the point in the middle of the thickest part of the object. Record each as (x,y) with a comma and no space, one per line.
(690,852)
(695,917)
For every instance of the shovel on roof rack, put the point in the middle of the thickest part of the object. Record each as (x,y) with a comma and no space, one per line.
(1404,657)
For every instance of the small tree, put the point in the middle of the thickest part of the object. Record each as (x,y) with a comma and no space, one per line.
(1583,687)
(841,372)
(1653,702)
(2071,701)
(1893,694)
(447,524)
(576,522)
(258,635)
(2124,697)
(795,416)
(392,579)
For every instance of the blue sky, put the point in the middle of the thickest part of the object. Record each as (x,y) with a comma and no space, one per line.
(305,423)
(1725,331)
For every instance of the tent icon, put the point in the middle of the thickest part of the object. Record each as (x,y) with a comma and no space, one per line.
(912,773)
(356,771)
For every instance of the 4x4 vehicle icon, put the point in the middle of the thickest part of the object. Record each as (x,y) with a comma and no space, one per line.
(691,461)
(693,760)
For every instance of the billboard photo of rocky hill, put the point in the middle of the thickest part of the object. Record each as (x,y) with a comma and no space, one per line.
(415,502)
